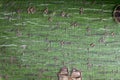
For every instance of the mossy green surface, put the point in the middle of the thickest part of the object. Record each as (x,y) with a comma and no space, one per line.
(31,46)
